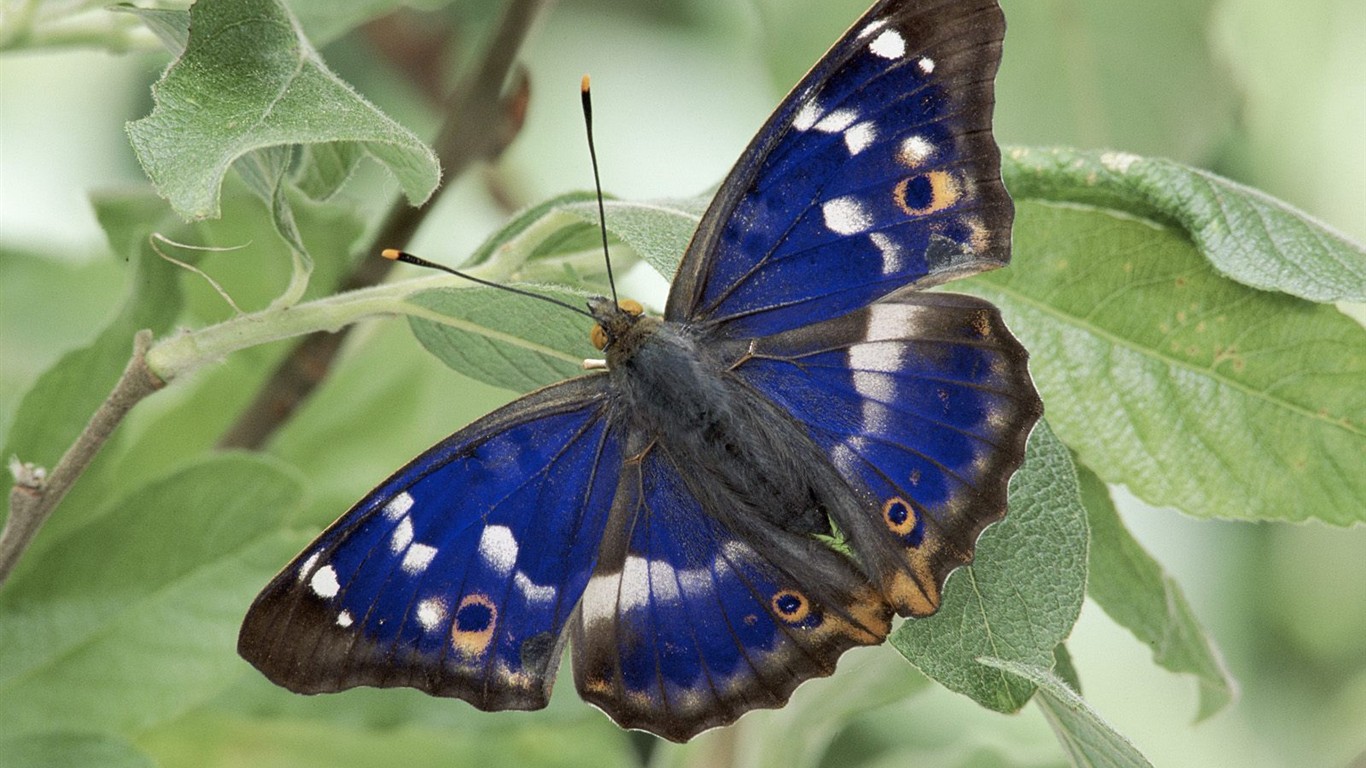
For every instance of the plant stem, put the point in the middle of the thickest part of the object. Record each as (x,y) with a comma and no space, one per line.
(32,499)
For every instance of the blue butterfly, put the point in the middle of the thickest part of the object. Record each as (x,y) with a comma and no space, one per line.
(802,446)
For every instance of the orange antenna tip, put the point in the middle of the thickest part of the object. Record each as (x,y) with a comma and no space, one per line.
(391,254)
(583,84)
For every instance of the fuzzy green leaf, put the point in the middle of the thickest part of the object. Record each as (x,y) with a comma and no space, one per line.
(1247,235)
(1088,740)
(1134,590)
(1195,391)
(658,231)
(1022,593)
(249,80)
(505,340)
(523,344)
(132,619)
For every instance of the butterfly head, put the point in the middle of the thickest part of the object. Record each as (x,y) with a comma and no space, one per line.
(614,320)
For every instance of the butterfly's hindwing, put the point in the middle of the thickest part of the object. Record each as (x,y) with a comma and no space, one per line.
(685,626)
(457,575)
(924,402)
(877,171)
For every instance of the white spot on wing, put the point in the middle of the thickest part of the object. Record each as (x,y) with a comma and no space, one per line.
(324,582)
(859,137)
(498,548)
(891,252)
(635,583)
(403,536)
(531,590)
(398,506)
(696,582)
(418,557)
(926,64)
(892,322)
(431,612)
(307,567)
(889,45)
(915,150)
(846,216)
(807,116)
(868,361)
(344,619)
(837,121)
(600,598)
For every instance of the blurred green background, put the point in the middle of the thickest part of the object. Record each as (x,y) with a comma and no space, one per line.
(1268,93)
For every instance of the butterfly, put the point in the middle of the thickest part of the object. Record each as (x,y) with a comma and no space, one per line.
(804,445)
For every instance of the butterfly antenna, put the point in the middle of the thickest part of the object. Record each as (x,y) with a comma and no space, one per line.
(586,94)
(393,254)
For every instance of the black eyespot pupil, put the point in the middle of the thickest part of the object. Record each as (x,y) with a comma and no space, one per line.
(919,192)
(897,513)
(788,603)
(473,617)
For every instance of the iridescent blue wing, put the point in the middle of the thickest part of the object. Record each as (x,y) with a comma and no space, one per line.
(458,574)
(878,171)
(685,625)
(923,402)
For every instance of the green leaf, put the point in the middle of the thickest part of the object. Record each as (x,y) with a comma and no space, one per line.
(1193,390)
(1134,590)
(132,619)
(63,749)
(1248,235)
(325,168)
(657,230)
(218,740)
(1086,738)
(505,340)
(1022,593)
(170,25)
(249,80)
(531,227)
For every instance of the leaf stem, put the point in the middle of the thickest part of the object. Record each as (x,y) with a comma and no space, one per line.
(33,497)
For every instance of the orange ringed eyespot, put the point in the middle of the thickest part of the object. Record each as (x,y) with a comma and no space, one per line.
(791,606)
(899,515)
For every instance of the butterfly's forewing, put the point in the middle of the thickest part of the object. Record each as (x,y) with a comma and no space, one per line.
(877,171)
(684,626)
(458,574)
(923,402)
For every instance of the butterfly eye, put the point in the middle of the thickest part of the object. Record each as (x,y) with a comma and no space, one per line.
(791,606)
(631,307)
(598,336)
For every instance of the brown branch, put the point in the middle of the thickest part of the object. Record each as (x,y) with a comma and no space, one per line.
(34,496)
(480,123)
